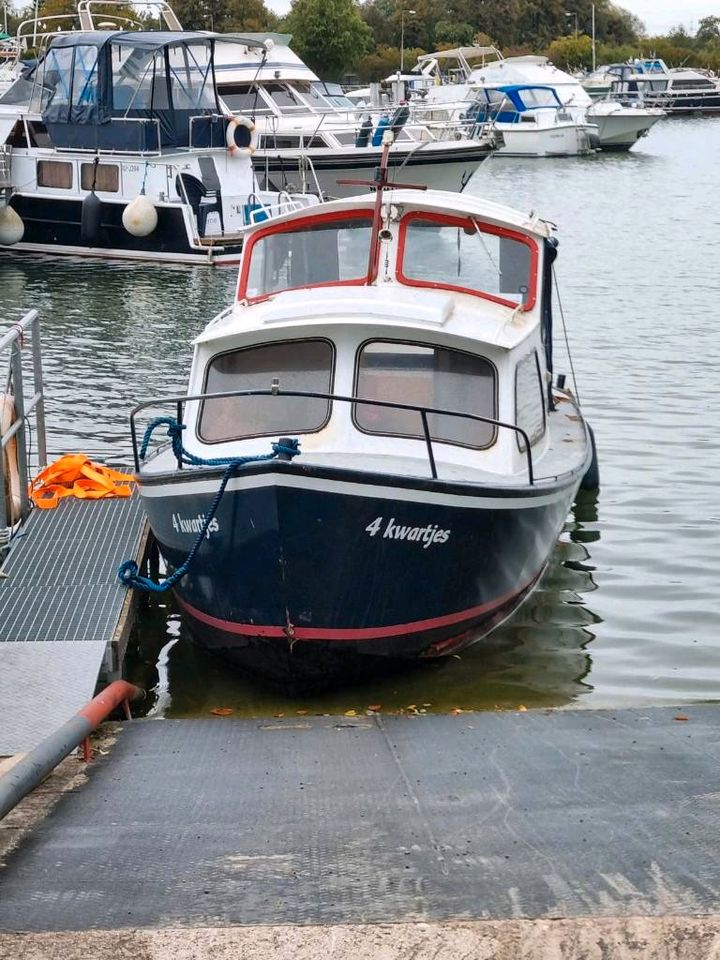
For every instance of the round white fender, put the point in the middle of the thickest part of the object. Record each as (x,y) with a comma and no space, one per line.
(11,226)
(140,217)
(233,148)
(10,464)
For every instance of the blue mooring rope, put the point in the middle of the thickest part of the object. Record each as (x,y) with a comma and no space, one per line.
(128,572)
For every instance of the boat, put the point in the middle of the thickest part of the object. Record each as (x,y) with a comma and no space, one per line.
(649,81)
(619,125)
(532,122)
(304,122)
(115,145)
(373,459)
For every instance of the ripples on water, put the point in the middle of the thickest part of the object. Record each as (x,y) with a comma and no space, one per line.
(628,610)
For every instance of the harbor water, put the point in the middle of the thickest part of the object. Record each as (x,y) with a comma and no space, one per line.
(627,612)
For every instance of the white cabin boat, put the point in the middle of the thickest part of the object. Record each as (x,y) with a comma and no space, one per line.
(397,348)
(115,145)
(301,120)
(619,126)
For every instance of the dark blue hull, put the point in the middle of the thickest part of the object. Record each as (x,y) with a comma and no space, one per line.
(309,574)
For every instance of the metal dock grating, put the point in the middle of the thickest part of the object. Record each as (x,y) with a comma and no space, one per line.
(60,609)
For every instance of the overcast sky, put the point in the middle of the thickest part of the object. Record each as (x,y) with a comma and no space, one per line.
(659,16)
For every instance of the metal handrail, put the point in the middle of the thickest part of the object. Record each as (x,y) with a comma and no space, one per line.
(32,769)
(275,391)
(13,341)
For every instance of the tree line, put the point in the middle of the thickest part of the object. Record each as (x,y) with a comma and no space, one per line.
(339,38)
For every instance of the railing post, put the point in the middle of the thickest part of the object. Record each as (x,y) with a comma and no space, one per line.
(40,392)
(19,397)
(428,443)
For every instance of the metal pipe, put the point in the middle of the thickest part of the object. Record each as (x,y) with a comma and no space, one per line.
(17,329)
(19,398)
(42,759)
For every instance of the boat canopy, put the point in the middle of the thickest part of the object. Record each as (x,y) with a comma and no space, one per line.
(130,91)
(527,96)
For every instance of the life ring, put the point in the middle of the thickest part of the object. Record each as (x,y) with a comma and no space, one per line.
(244,144)
(11,473)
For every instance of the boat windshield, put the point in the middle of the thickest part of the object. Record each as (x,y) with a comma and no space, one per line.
(308,253)
(461,253)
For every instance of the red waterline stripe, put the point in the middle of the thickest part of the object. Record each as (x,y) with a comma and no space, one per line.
(363,633)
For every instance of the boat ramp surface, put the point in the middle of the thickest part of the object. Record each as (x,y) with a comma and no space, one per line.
(64,617)
(427,836)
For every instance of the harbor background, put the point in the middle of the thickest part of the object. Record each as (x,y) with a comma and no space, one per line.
(626,613)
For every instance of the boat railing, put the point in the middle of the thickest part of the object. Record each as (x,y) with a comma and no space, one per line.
(5,167)
(14,387)
(424,412)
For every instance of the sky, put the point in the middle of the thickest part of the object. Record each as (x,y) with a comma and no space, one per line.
(659,16)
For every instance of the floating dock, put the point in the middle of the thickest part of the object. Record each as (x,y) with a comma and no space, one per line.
(65,619)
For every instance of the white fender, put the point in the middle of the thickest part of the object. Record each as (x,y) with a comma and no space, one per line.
(140,217)
(233,149)
(11,226)
(10,464)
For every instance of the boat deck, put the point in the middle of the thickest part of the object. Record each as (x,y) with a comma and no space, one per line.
(63,614)
(326,820)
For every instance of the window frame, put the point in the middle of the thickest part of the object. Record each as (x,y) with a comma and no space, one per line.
(484,227)
(255,346)
(408,436)
(46,163)
(296,226)
(543,403)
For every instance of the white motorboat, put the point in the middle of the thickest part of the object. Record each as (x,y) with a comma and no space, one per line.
(115,145)
(531,121)
(619,126)
(302,121)
(680,90)
(397,347)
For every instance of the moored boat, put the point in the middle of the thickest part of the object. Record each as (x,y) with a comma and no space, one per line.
(402,343)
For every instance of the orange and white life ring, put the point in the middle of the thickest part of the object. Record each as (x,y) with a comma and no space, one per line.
(11,473)
(236,149)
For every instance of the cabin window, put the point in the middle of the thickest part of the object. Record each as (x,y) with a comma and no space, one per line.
(104,177)
(274,141)
(57,78)
(465,254)
(284,96)
(244,98)
(85,77)
(305,365)
(425,376)
(326,251)
(55,173)
(692,84)
(529,399)
(315,141)
(191,77)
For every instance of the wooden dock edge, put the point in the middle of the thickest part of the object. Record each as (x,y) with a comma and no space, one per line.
(586,938)
(117,647)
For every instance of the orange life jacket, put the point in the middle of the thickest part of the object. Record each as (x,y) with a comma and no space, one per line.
(75,475)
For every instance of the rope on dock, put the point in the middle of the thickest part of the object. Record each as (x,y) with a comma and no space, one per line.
(128,571)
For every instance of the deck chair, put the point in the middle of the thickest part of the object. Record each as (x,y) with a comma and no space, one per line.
(196,193)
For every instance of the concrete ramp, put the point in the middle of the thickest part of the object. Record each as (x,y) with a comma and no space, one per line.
(326,821)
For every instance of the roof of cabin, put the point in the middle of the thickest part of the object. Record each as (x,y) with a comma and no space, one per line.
(144,39)
(458,204)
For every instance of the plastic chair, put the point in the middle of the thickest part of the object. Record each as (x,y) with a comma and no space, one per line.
(195,192)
